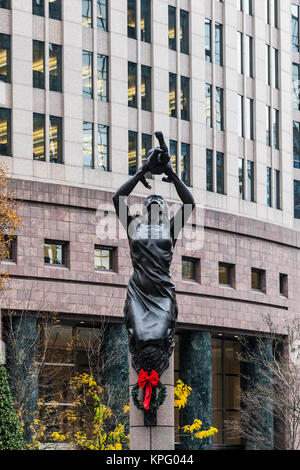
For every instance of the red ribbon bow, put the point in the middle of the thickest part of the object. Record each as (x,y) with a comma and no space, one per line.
(148,381)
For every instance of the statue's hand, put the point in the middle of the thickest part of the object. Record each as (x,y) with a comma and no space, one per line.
(145,167)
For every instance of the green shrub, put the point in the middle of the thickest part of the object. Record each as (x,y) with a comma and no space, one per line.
(10,431)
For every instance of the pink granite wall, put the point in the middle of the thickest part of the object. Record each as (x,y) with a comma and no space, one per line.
(68,213)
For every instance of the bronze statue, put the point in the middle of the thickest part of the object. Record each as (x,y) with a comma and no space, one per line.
(151,308)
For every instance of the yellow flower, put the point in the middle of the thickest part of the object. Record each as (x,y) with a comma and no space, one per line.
(126,408)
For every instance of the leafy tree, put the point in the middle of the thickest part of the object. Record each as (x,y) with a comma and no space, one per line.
(10,431)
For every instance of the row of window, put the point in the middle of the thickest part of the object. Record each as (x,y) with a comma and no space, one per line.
(38,7)
(56,253)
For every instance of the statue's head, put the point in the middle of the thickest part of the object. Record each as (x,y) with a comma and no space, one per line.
(156,208)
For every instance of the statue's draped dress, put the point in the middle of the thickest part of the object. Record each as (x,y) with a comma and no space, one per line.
(151,307)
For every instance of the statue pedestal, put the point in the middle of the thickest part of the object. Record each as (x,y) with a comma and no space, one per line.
(160,437)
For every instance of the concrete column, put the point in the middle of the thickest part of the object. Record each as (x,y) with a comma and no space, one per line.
(23,374)
(115,350)
(196,371)
(160,437)
(259,376)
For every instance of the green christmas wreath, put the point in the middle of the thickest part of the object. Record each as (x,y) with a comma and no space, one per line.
(154,404)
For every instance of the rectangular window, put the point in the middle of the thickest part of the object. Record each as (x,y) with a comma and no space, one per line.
(38,7)
(297,199)
(132,85)
(190,267)
(268,64)
(295,27)
(248,7)
(38,65)
(208,105)
(102,77)
(258,280)
(87,74)
(172,27)
(5,132)
(55,253)
(102,16)
(174,154)
(146,87)
(226,274)
(184,32)
(296,144)
(102,160)
(249,57)
(87,13)
(39,137)
(277,190)
(283,285)
(269,186)
(146,21)
(104,258)
(219,109)
(208,56)
(55,139)
(172,95)
(249,119)
(275,74)
(296,86)
(5,4)
(55,67)
(267,11)
(240,52)
(268,126)
(241,178)
(132,152)
(276,129)
(185,163)
(55,9)
(220,173)
(240,115)
(185,98)
(5,58)
(9,248)
(131,18)
(209,170)
(219,44)
(275,13)
(88,141)
(250,181)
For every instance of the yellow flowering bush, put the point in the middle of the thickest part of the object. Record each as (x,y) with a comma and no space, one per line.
(181,394)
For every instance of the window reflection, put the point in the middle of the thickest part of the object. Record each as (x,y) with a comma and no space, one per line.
(132,152)
(172,95)
(38,66)
(88,144)
(185,163)
(102,161)
(131,17)
(87,11)
(55,67)
(5,131)
(146,20)
(55,9)
(87,74)
(102,15)
(172,28)
(132,84)
(103,258)
(39,137)
(38,7)
(5,58)
(55,139)
(146,87)
(102,77)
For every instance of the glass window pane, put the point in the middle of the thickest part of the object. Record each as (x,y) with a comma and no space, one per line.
(268,126)
(295,27)
(240,115)
(132,84)
(5,131)
(249,56)
(146,20)
(132,152)
(184,32)
(172,95)
(38,7)
(240,61)
(209,170)
(87,11)
(250,181)
(296,144)
(38,65)
(231,359)
(296,86)
(188,269)
(55,9)
(297,199)
(103,259)
(219,44)
(276,129)
(220,173)
(102,77)
(55,67)
(277,190)
(268,64)
(54,253)
(5,4)
(249,119)
(185,98)
(208,104)
(269,186)
(5,58)
(241,178)
(173,154)
(102,21)
(275,75)
(131,16)
(224,274)
(87,74)
(219,109)
(146,87)
(172,28)
(102,161)
(208,40)
(55,139)
(88,144)
(39,137)
(185,163)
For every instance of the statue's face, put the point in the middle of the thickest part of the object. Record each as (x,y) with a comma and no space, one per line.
(156,199)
